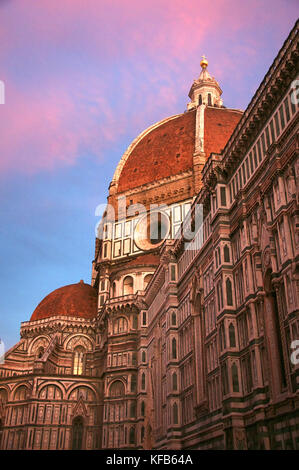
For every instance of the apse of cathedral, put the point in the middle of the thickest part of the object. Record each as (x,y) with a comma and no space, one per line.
(178,344)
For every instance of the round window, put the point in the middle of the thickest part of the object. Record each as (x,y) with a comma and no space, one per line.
(151,230)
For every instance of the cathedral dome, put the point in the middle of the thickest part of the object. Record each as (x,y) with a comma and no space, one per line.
(166,149)
(74,300)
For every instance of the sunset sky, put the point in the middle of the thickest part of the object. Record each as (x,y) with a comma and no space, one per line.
(82,79)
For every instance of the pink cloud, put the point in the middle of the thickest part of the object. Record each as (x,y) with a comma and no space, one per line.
(81,73)
(41,132)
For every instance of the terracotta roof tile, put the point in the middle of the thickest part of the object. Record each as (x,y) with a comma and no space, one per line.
(219,126)
(167,150)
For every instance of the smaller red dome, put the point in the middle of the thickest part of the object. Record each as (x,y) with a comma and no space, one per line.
(74,300)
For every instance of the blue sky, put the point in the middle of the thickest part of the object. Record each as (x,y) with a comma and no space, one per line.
(82,79)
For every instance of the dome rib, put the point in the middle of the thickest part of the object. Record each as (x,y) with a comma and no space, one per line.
(135,142)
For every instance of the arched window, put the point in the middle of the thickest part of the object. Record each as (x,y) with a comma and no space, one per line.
(144,318)
(219,295)
(174,381)
(199,100)
(224,377)
(175,413)
(114,289)
(229,293)
(222,337)
(235,378)
(226,254)
(173,348)
(143,381)
(128,285)
(21,393)
(117,389)
(40,352)
(173,319)
(77,430)
(105,248)
(146,280)
(132,435)
(143,356)
(209,99)
(120,326)
(232,336)
(78,365)
(142,408)
(272,308)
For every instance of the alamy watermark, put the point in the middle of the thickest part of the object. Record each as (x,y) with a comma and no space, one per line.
(151,227)
(2,92)
(295,354)
(295,92)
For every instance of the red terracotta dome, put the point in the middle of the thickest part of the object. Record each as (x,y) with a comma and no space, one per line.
(74,300)
(166,148)
(164,151)
(219,126)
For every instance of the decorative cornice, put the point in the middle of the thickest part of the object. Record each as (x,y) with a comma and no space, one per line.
(158,183)
(120,304)
(54,324)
